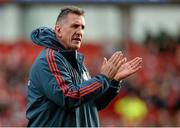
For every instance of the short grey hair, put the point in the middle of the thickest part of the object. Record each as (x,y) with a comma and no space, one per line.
(69,9)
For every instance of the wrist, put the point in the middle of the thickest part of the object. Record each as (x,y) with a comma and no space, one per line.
(116,85)
(114,81)
(116,78)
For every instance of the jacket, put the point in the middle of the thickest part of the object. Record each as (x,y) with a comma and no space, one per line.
(60,89)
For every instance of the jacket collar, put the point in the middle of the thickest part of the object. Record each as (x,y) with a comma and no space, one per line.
(72,56)
(46,37)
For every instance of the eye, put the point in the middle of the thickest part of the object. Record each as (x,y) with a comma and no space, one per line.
(83,27)
(75,26)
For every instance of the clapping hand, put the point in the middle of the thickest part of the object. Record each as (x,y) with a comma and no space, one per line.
(128,68)
(110,67)
(117,68)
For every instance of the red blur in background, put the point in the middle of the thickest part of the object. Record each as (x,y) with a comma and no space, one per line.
(148,98)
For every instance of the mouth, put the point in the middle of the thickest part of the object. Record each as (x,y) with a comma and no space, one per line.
(77,39)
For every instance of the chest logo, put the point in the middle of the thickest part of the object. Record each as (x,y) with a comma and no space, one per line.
(85,76)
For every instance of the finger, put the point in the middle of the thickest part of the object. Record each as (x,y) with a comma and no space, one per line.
(136,69)
(117,58)
(104,61)
(121,62)
(134,60)
(112,57)
(136,63)
(113,71)
(124,61)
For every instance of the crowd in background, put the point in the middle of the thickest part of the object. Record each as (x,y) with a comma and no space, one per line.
(149,98)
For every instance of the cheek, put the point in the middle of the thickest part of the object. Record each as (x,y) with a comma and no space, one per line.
(70,35)
(67,37)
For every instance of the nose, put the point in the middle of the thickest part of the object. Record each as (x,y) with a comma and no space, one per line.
(80,31)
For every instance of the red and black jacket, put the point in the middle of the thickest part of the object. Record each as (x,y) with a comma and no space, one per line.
(60,90)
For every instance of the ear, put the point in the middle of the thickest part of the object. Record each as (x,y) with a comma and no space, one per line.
(58,31)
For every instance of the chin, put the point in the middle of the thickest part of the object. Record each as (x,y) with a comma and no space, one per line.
(74,48)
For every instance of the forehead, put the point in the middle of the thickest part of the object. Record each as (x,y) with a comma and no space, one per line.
(75,19)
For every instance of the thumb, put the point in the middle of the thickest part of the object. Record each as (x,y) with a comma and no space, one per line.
(104,60)
(124,60)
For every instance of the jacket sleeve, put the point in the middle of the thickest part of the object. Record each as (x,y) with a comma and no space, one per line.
(104,99)
(58,87)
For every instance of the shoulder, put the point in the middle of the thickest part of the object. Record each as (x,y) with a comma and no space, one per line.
(48,57)
(48,53)
(54,56)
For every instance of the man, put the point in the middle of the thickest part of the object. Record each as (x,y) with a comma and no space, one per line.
(60,91)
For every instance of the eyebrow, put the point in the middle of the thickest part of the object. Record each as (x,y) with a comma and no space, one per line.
(77,24)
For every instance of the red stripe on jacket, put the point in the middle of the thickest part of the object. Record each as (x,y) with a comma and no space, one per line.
(61,82)
(58,75)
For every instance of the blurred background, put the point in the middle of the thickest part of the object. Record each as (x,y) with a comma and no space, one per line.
(146,28)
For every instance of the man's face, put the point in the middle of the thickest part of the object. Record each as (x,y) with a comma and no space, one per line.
(71,31)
